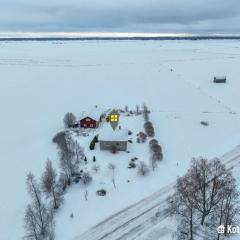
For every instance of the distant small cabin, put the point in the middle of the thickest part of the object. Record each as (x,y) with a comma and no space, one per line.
(220,79)
(92,119)
(113,140)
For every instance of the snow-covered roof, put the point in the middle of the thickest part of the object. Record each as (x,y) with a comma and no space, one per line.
(108,134)
(95,113)
(220,77)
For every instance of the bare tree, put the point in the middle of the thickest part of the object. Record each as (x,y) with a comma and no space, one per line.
(227,212)
(63,181)
(112,168)
(208,177)
(77,150)
(86,195)
(206,195)
(182,207)
(69,161)
(145,113)
(185,229)
(153,162)
(69,120)
(137,109)
(143,169)
(86,178)
(38,220)
(60,140)
(67,164)
(50,186)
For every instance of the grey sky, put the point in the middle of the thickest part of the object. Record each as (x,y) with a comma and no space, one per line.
(120,15)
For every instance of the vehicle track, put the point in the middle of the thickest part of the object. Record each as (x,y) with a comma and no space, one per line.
(132,222)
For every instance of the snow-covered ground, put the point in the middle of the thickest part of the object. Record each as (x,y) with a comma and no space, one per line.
(41,81)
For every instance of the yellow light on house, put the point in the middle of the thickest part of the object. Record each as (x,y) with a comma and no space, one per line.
(114,118)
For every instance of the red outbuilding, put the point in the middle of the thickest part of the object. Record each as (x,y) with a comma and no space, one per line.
(92,119)
(89,122)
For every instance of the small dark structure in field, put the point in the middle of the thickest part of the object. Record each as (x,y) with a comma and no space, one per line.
(222,79)
(204,123)
(101,192)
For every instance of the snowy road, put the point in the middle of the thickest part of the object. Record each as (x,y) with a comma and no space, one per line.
(134,221)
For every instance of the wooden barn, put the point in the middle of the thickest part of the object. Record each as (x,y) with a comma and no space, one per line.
(92,119)
(222,79)
(89,122)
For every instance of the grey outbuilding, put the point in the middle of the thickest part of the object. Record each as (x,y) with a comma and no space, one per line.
(219,79)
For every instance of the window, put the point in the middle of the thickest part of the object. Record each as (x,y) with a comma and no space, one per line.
(114,118)
(91,125)
(85,125)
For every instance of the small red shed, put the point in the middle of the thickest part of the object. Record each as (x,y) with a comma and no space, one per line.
(93,118)
(89,122)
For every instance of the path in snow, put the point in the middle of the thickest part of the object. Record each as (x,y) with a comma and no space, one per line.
(199,89)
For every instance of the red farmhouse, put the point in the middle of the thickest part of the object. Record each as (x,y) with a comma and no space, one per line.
(92,119)
(88,122)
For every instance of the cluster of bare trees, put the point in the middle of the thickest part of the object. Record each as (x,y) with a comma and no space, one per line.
(70,158)
(148,126)
(136,111)
(51,186)
(143,169)
(39,215)
(69,120)
(205,198)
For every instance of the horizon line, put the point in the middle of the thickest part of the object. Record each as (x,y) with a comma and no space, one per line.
(83,35)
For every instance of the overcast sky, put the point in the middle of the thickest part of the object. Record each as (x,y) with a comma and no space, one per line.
(120,15)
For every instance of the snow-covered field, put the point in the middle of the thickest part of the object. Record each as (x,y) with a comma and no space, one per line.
(41,81)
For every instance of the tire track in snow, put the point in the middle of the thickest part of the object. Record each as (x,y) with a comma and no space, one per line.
(138,230)
(132,222)
(134,211)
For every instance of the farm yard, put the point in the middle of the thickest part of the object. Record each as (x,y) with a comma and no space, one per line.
(41,81)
